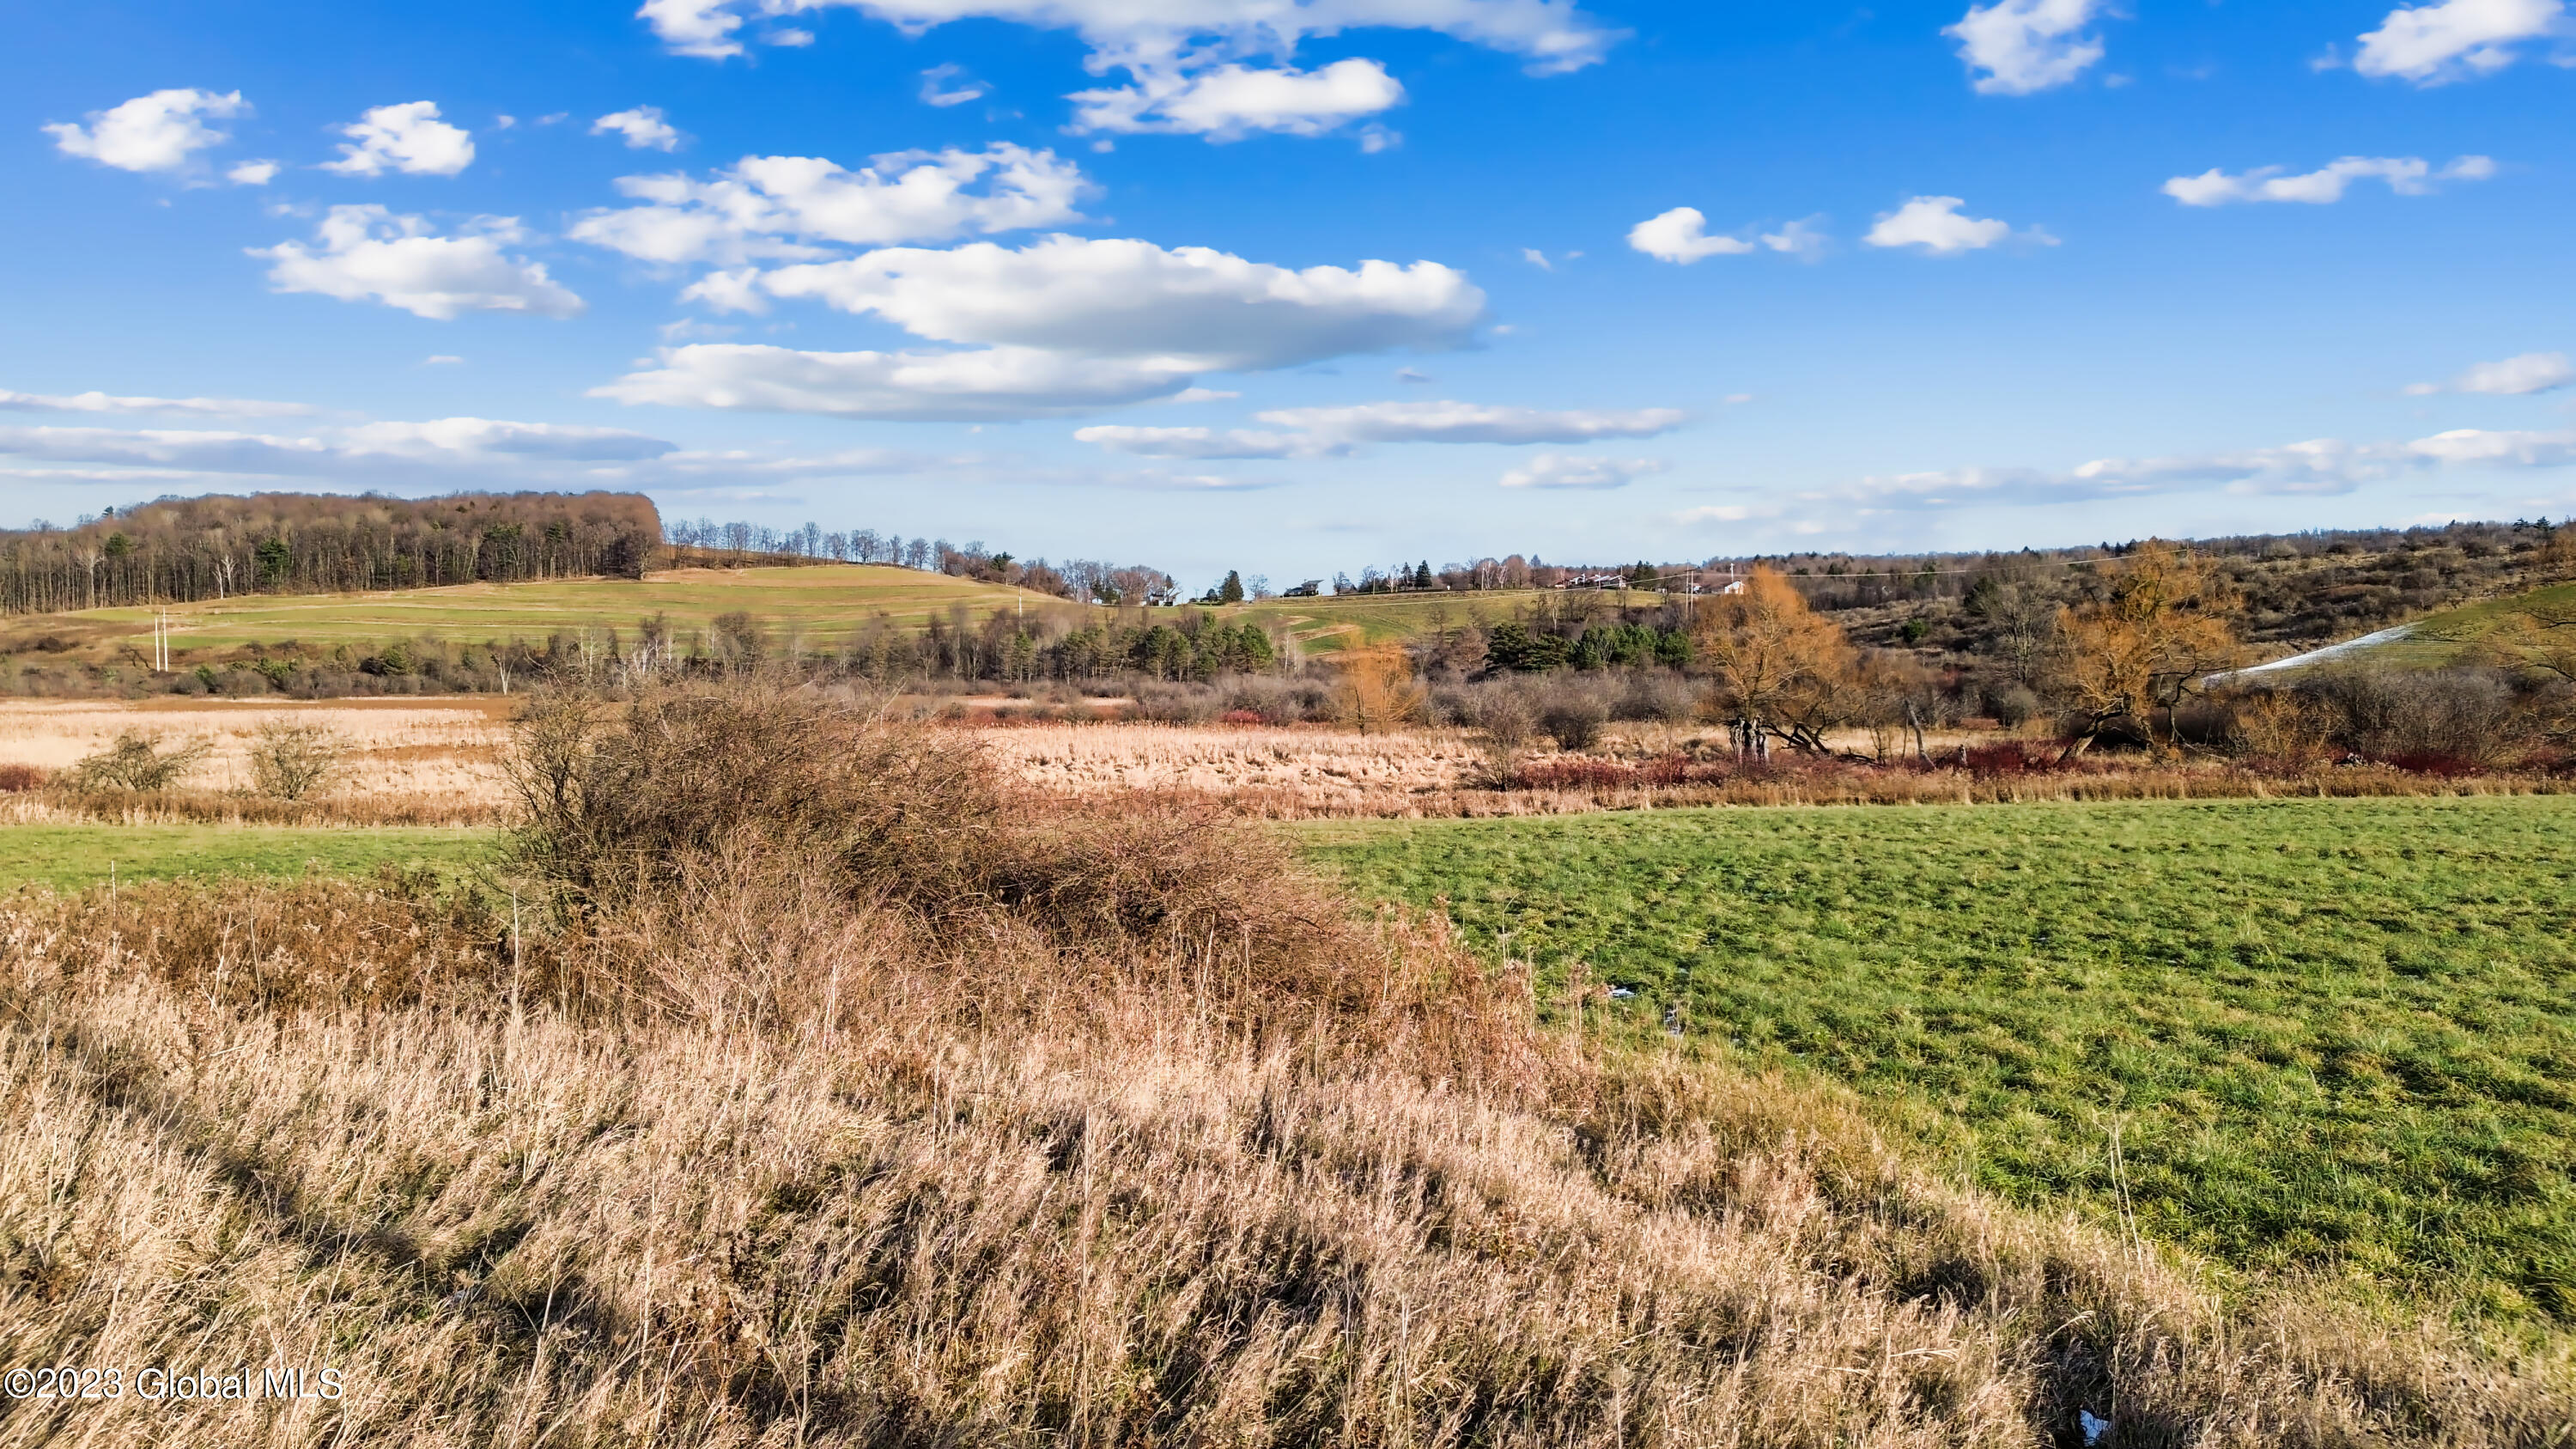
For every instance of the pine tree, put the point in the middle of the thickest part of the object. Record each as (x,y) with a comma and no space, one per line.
(1231,591)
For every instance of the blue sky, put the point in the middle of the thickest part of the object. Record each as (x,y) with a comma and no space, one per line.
(1294,287)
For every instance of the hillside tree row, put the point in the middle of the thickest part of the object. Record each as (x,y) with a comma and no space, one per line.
(179,551)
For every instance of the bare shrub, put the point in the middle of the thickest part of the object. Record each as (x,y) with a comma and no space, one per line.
(1185,704)
(1653,696)
(291,761)
(2012,705)
(768,805)
(134,763)
(2462,715)
(1505,723)
(1573,712)
(620,800)
(2281,725)
(17,778)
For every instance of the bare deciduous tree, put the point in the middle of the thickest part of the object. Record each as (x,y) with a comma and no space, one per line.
(292,761)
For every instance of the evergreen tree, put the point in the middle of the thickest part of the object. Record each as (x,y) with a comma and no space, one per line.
(1231,591)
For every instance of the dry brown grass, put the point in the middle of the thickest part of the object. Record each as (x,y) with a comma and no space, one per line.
(442,753)
(1291,774)
(782,1149)
(1327,767)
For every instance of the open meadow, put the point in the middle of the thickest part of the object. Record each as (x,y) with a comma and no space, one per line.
(803,1072)
(2299,1036)
(801,1075)
(822,604)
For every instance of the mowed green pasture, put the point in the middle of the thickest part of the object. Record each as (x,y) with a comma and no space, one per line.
(2450,637)
(2329,1035)
(825,602)
(70,857)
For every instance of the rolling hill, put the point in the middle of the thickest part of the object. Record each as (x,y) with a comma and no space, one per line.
(829,599)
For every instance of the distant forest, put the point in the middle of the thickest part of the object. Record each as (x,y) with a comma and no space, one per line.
(1084,581)
(182,551)
(2323,584)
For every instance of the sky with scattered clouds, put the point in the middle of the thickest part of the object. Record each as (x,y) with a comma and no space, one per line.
(1298,285)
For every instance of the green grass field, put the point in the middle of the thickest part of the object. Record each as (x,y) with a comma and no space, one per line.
(2448,638)
(2331,1034)
(68,857)
(827,602)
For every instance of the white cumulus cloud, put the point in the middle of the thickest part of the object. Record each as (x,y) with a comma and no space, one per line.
(2472,446)
(642,126)
(409,138)
(1065,325)
(1190,307)
(2532,372)
(1458,422)
(2405,175)
(1217,68)
(1229,102)
(703,28)
(777,206)
(1559,470)
(157,132)
(100,402)
(1681,236)
(995,384)
(1934,224)
(2457,39)
(368,253)
(1207,443)
(1553,36)
(2022,46)
(253,173)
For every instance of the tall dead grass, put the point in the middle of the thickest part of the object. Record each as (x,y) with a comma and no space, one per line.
(1049,1130)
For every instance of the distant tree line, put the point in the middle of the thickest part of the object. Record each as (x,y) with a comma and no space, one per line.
(180,551)
(1082,580)
(2313,585)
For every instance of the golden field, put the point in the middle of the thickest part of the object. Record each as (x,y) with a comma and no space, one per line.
(437,760)
(426,750)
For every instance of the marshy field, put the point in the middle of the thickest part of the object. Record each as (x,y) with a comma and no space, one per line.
(743,1063)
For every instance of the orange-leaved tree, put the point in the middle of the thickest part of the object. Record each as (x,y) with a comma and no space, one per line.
(1782,669)
(1378,691)
(2165,623)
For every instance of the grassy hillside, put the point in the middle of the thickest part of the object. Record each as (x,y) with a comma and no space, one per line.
(2331,1034)
(2450,637)
(830,599)
(825,601)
